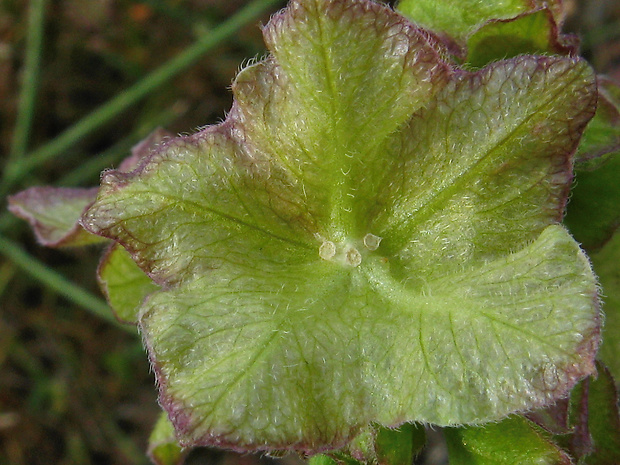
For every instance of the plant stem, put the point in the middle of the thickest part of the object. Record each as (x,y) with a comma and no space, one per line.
(16,171)
(57,282)
(30,82)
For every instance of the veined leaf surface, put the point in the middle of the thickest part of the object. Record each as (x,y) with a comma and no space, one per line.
(370,236)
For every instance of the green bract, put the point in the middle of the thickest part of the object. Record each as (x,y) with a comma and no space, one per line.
(512,441)
(531,32)
(370,236)
(458,19)
(455,22)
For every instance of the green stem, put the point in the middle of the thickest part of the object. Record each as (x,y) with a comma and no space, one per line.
(16,171)
(57,282)
(30,83)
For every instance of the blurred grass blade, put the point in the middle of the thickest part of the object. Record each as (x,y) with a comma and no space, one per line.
(30,80)
(112,156)
(16,171)
(57,282)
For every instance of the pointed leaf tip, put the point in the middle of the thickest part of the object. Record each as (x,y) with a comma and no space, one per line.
(54,213)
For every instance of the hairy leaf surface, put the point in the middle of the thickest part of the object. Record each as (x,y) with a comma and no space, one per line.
(370,236)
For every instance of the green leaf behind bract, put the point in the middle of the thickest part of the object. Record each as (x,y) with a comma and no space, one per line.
(163,447)
(595,421)
(369,237)
(456,22)
(512,441)
(603,419)
(321,459)
(123,283)
(530,33)
(593,213)
(605,261)
(387,446)
(553,418)
(399,446)
(602,135)
(54,212)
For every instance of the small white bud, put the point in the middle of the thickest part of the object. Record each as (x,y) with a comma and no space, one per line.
(327,251)
(353,257)
(371,241)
